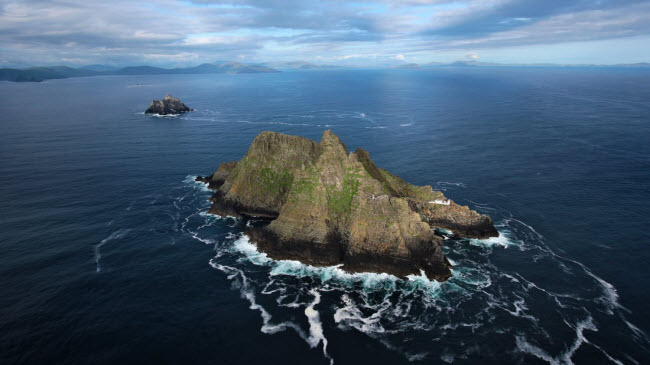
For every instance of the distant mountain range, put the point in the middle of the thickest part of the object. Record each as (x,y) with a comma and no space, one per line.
(492,64)
(298,65)
(37,74)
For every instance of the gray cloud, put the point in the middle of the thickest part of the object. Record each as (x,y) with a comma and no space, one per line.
(174,32)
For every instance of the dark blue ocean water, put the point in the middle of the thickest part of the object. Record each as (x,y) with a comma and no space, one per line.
(107,256)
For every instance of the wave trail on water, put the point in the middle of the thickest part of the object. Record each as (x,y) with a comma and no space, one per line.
(120,233)
(486,298)
(316,335)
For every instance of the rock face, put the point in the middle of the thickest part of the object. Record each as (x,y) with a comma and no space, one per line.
(168,105)
(331,207)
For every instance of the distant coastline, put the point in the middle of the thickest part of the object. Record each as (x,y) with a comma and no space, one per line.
(38,74)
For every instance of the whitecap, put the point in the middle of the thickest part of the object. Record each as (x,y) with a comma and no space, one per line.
(244,246)
(191,180)
(501,240)
(163,115)
(370,281)
(422,282)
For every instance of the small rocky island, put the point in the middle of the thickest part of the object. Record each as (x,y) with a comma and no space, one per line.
(169,105)
(330,207)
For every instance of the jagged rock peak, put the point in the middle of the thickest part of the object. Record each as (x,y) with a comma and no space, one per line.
(168,105)
(329,207)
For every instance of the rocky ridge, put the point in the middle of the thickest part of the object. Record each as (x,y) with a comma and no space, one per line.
(331,207)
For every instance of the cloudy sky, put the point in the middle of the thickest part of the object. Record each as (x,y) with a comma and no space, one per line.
(176,33)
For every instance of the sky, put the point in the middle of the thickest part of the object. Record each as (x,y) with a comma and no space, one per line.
(355,33)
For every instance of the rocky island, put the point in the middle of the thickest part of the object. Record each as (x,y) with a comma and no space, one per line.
(330,207)
(168,105)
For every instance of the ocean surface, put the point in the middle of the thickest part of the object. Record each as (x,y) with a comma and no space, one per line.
(107,254)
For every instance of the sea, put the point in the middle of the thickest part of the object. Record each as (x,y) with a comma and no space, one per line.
(108,255)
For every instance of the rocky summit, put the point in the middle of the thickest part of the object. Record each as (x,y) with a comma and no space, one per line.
(330,207)
(168,105)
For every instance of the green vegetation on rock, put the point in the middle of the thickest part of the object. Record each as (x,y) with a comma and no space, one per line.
(303,187)
(275,182)
(340,201)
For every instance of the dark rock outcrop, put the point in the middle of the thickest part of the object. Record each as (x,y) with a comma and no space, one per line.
(329,207)
(168,105)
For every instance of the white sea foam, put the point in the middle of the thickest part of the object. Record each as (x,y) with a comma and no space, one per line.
(445,231)
(566,357)
(384,306)
(502,240)
(329,273)
(207,241)
(325,274)
(524,346)
(505,222)
(243,245)
(447,357)
(419,357)
(113,236)
(191,180)
(163,115)
(248,293)
(447,183)
(475,277)
(637,331)
(316,335)
(580,327)
(610,294)
(351,316)
(421,282)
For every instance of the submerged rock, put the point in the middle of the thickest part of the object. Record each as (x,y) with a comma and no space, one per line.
(329,207)
(168,105)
